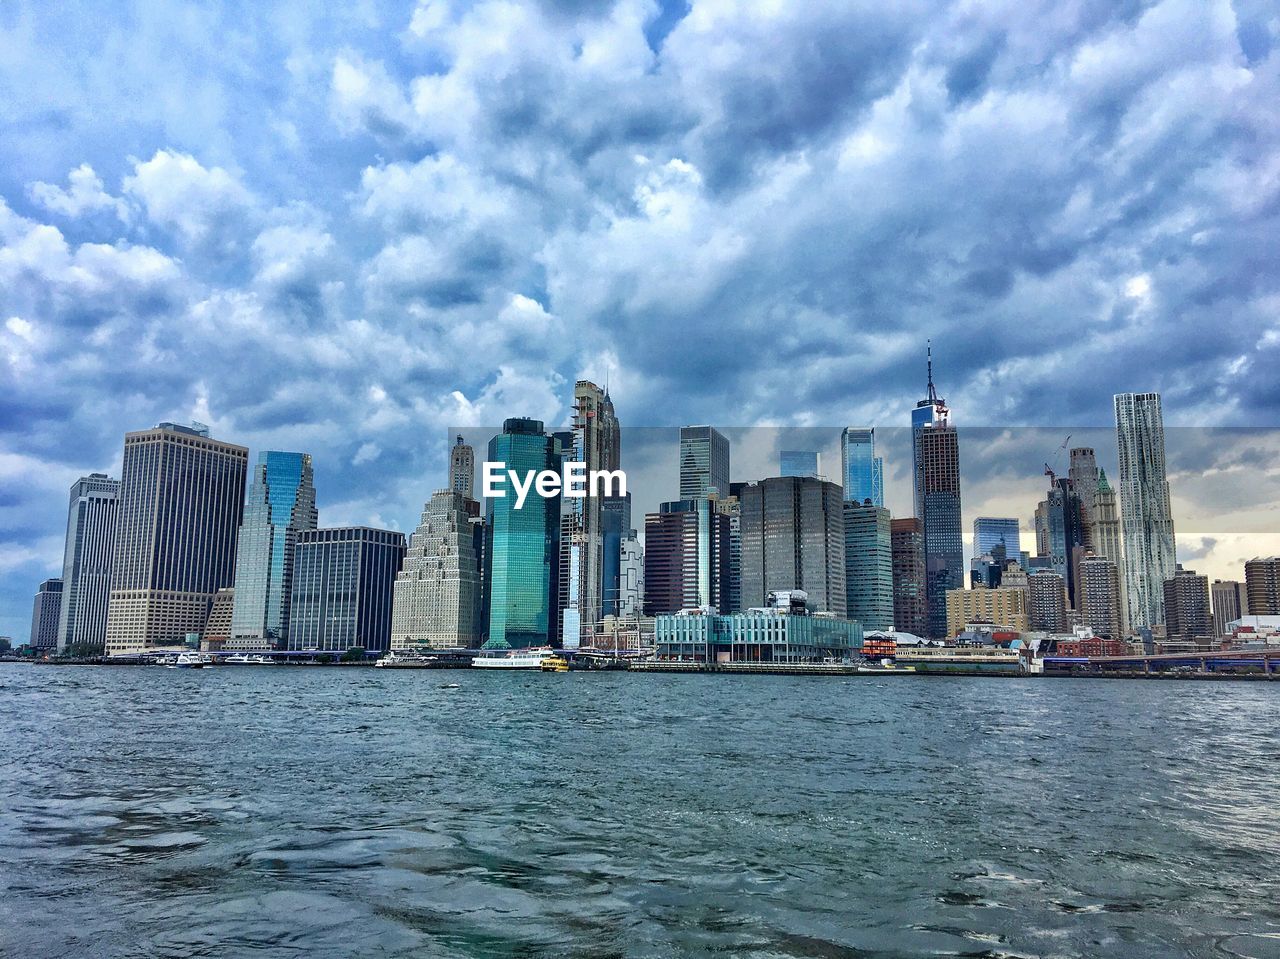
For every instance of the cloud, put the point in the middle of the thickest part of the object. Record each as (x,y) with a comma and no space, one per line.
(181,195)
(83,194)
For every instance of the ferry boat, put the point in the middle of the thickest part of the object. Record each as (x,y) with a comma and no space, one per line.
(515,659)
(188,661)
(555,664)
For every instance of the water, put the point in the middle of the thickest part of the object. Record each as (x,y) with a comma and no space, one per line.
(288,812)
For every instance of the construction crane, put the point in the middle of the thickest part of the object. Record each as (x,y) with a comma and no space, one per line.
(1048,470)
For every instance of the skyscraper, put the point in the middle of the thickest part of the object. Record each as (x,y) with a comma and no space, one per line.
(281,503)
(909,611)
(616,524)
(596,442)
(686,557)
(1060,532)
(861,471)
(868,565)
(992,532)
(1230,602)
(1099,590)
(523,544)
(44,616)
(631,592)
(793,538)
(704,463)
(437,593)
(936,465)
(343,580)
(1186,607)
(1262,585)
(1145,513)
(462,469)
(180,506)
(1047,601)
(732,508)
(799,463)
(86,562)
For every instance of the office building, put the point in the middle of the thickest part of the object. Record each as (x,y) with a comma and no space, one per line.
(596,443)
(936,469)
(631,591)
(1230,601)
(1262,586)
(343,582)
(217,628)
(522,546)
(868,565)
(998,607)
(909,611)
(86,563)
(793,538)
(437,593)
(704,463)
(799,463)
(1145,514)
(615,519)
(1100,603)
(281,503)
(861,470)
(44,616)
(1060,532)
(179,511)
(686,557)
(732,508)
(1188,618)
(997,537)
(462,469)
(1047,601)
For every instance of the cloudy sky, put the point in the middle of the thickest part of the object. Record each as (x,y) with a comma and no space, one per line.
(344,231)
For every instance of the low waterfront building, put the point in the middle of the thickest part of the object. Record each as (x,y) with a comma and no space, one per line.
(774,635)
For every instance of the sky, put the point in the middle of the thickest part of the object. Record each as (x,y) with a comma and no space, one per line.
(347,230)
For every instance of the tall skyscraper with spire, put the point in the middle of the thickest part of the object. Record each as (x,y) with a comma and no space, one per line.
(935,451)
(596,443)
(1145,512)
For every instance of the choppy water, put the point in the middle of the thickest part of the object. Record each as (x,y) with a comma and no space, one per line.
(329,812)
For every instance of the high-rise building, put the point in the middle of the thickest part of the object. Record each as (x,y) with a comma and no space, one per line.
(1099,590)
(1001,606)
(1230,602)
(217,628)
(936,467)
(1145,512)
(1060,532)
(793,538)
(909,611)
(437,593)
(180,505)
(281,503)
(1262,585)
(596,443)
(704,463)
(615,525)
(522,546)
(86,562)
(861,471)
(462,469)
(993,534)
(44,616)
(343,581)
(799,463)
(1186,607)
(732,508)
(868,565)
(686,557)
(631,588)
(1047,601)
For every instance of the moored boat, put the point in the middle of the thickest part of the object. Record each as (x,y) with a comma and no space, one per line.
(515,658)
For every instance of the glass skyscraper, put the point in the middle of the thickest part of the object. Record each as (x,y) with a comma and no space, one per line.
(523,543)
(990,532)
(281,502)
(686,557)
(343,583)
(861,471)
(86,561)
(868,570)
(704,463)
(1145,513)
(935,451)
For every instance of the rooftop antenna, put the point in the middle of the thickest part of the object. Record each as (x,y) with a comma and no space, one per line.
(933,393)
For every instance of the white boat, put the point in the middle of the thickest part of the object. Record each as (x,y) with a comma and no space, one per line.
(514,659)
(188,661)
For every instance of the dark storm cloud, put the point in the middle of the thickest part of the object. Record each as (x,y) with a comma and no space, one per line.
(340,230)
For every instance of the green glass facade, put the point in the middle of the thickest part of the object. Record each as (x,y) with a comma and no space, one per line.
(523,543)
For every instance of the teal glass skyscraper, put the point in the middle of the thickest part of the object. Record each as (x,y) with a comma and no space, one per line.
(523,543)
(281,503)
(861,471)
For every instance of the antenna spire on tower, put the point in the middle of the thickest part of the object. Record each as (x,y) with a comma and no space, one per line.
(933,393)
